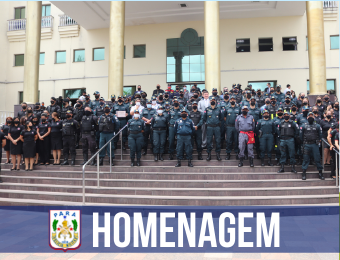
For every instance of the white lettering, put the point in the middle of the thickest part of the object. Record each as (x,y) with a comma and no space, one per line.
(262,226)
(116,229)
(190,232)
(105,229)
(231,231)
(164,229)
(242,229)
(151,227)
(207,219)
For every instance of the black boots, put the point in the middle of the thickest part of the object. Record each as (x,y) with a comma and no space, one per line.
(209,157)
(93,161)
(189,163)
(246,156)
(101,161)
(138,162)
(86,158)
(200,156)
(65,160)
(73,161)
(262,161)
(155,156)
(270,162)
(251,162)
(178,163)
(145,152)
(161,157)
(240,164)
(293,169)
(304,175)
(321,175)
(218,157)
(132,162)
(111,162)
(282,169)
(228,156)
(171,156)
(124,146)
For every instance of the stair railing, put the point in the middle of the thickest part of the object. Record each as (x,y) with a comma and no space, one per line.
(97,154)
(324,141)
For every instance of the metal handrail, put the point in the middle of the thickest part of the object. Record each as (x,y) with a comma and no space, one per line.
(97,154)
(336,159)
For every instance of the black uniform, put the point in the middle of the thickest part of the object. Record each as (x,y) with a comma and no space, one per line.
(54,108)
(29,143)
(15,133)
(22,113)
(64,110)
(334,136)
(78,115)
(147,113)
(70,128)
(88,126)
(44,145)
(197,119)
(56,135)
(122,120)
(5,129)
(159,124)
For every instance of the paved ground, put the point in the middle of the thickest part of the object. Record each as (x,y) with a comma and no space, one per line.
(141,256)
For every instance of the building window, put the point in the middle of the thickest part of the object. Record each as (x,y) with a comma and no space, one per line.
(289,43)
(265,44)
(139,51)
(46,10)
(129,90)
(19,60)
(74,93)
(99,54)
(79,56)
(185,58)
(42,58)
(330,86)
(262,84)
(335,42)
(21,96)
(19,13)
(242,45)
(60,57)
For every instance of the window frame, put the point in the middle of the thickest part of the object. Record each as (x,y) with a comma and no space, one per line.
(242,51)
(44,58)
(96,48)
(134,51)
(272,82)
(20,7)
(55,57)
(15,60)
(45,9)
(265,38)
(297,43)
(330,42)
(74,56)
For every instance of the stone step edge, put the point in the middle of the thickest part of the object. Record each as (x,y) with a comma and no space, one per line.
(148,180)
(172,197)
(170,189)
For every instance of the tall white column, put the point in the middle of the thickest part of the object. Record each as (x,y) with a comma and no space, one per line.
(116,58)
(32,52)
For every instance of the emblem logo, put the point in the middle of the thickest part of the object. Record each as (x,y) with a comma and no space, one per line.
(65,229)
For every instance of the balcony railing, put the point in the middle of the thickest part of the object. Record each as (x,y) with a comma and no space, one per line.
(20,24)
(66,20)
(330,4)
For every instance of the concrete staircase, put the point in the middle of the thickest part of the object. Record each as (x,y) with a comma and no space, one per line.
(211,183)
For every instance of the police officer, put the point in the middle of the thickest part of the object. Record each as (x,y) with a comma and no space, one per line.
(256,113)
(184,128)
(265,128)
(246,101)
(99,110)
(78,115)
(70,127)
(147,114)
(53,107)
(65,108)
(88,126)
(181,98)
(108,126)
(95,102)
(272,107)
(277,120)
(159,124)
(197,118)
(87,102)
(37,110)
(113,101)
(143,99)
(287,104)
(222,105)
(160,100)
(287,131)
(215,95)
(333,135)
(175,113)
(212,117)
(136,139)
(231,113)
(245,125)
(310,135)
(119,106)
(23,110)
(279,96)
(259,98)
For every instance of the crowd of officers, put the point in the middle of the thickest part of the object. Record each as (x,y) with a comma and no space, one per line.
(180,119)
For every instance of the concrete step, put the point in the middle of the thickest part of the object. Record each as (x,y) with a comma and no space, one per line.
(171,200)
(164,176)
(147,183)
(267,191)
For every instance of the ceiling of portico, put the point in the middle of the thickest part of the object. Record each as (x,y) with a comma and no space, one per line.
(96,14)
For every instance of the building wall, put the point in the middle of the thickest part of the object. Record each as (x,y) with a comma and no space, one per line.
(284,66)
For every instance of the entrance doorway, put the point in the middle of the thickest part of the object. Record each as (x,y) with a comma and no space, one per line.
(73,94)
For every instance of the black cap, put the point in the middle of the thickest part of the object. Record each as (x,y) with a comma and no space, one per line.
(37,104)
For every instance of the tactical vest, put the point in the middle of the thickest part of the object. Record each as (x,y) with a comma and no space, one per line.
(189,106)
(195,117)
(52,109)
(259,100)
(311,133)
(68,128)
(267,126)
(78,114)
(86,123)
(105,123)
(287,129)
(148,113)
(135,125)
(99,111)
(160,121)
(272,109)
(181,101)
(63,112)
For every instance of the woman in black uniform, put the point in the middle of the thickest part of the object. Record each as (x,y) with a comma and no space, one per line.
(28,137)
(16,144)
(5,129)
(44,130)
(35,122)
(325,124)
(29,114)
(56,138)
